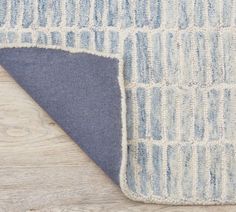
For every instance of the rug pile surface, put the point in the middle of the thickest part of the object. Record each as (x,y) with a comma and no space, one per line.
(177,84)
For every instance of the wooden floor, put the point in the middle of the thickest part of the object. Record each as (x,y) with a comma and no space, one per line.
(42,169)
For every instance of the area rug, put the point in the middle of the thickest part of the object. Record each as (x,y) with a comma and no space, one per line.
(168,102)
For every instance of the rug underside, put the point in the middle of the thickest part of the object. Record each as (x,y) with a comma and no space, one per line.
(176,80)
(80,92)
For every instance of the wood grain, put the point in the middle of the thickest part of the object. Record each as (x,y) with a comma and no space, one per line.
(42,169)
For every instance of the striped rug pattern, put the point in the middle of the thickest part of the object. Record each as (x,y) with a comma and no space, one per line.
(178,61)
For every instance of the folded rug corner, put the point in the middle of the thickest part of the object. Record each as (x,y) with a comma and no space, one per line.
(147,88)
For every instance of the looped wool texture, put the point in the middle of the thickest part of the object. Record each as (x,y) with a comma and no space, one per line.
(177,74)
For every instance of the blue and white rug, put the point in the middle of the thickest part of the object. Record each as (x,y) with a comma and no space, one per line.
(177,79)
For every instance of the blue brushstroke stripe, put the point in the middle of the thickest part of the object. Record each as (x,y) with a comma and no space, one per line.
(227,12)
(70,12)
(187,63)
(199,18)
(172,58)
(183,14)
(129,114)
(99,40)
(215,172)
(112,17)
(157,69)
(42,12)
(187,177)
(14,12)
(213,13)
(171,114)
(56,12)
(155,13)
(28,13)
(217,73)
(171,13)
(141,13)
(98,12)
(84,11)
(42,38)
(172,171)
(12,37)
(157,158)
(156,114)
(141,97)
(142,57)
(142,161)
(213,113)
(114,41)
(70,39)
(201,58)
(230,171)
(126,18)
(3,12)
(199,123)
(186,115)
(85,39)
(228,58)
(201,173)
(26,37)
(229,114)
(56,38)
(130,168)
(128,59)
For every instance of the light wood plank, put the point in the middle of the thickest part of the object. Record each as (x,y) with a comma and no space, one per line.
(42,169)
(4,76)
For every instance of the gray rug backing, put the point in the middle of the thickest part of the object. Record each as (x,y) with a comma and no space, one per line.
(80,92)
